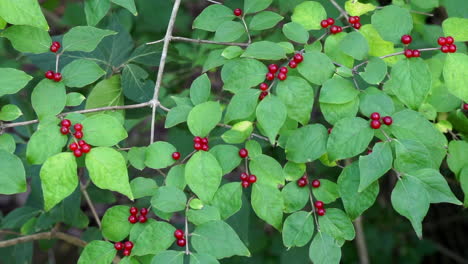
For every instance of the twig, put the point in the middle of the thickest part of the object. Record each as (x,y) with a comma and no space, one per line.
(342,11)
(361,241)
(246,29)
(311,198)
(201,41)
(57,59)
(214,2)
(45,235)
(90,204)
(162,64)
(187,251)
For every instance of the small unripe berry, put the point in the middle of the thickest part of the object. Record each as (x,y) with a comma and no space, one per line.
(252,178)
(179,234)
(78,134)
(127,252)
(375,124)
(132,219)
(133,210)
(375,116)
(243,153)
(330,21)
(176,155)
(245,184)
(449,40)
(65,123)
(57,76)
(315,183)
(49,75)
(321,212)
(406,39)
(181,242)
(118,246)
(273,68)
(64,130)
(73,146)
(298,58)
(270,76)
(263,86)
(142,219)
(77,153)
(244,176)
(238,12)
(387,120)
(318,204)
(292,64)
(442,41)
(128,245)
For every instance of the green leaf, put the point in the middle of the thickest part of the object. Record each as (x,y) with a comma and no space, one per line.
(411,155)
(309,14)
(355,8)
(374,100)
(97,252)
(458,157)
(355,202)
(227,157)
(426,4)
(392,22)
(28,39)
(307,143)
(296,32)
(7,142)
(264,20)
(239,133)
(228,199)
(80,73)
(295,197)
(169,257)
(151,237)
(200,89)
(232,52)
(377,46)
(206,214)
(14,12)
(293,171)
(103,130)
(74,99)
(324,250)
(203,118)
(213,16)
(108,170)
(298,229)
(12,80)
(196,204)
(456,66)
(48,98)
(229,31)
(375,165)
(159,155)
(253,6)
(12,174)
(464,183)
(298,96)
(169,199)
(436,186)
(45,142)
(267,203)
(335,112)
(456,27)
(10,112)
(127,4)
(136,156)
(243,73)
(177,115)
(203,175)
(115,224)
(355,45)
(337,90)
(264,50)
(271,115)
(107,92)
(202,259)
(375,71)
(242,105)
(411,200)
(254,148)
(218,239)
(176,177)
(337,224)
(267,170)
(143,187)
(84,38)
(349,137)
(316,67)
(149,55)
(327,192)
(333,50)
(95,10)
(58,178)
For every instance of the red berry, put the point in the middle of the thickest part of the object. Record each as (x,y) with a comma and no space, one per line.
(465,106)
(375,116)
(357,25)
(442,41)
(243,153)
(77,153)
(244,176)
(352,19)
(118,246)
(252,178)
(64,130)
(54,48)
(282,76)
(205,147)
(330,21)
(262,95)
(128,245)
(181,242)
(315,183)
(127,252)
(452,48)
(132,219)
(133,210)
(321,211)
(204,140)
(369,151)
(238,12)
(66,123)
(263,86)
(406,39)
(81,142)
(273,68)
(292,64)
(387,120)
(78,127)
(408,53)
(56,44)
(298,58)
(57,76)
(375,124)
(340,29)
(283,70)
(245,184)
(330,130)
(143,211)
(197,146)
(449,40)
(444,49)
(176,155)
(179,234)
(416,53)
(324,23)
(78,134)
(86,148)
(49,75)
(142,219)
(318,204)
(270,76)
(73,146)
(334,29)
(301,182)
(197,139)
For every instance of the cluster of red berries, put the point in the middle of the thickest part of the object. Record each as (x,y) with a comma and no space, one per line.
(55,46)
(51,75)
(200,144)
(180,236)
(319,208)
(447,45)
(247,180)
(302,182)
(409,53)
(79,147)
(375,123)
(238,12)
(134,217)
(243,153)
(334,29)
(355,21)
(176,155)
(126,246)
(272,69)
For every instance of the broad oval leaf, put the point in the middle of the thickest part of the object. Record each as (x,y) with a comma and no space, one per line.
(169,199)
(48,98)
(316,67)
(203,118)
(298,96)
(203,175)
(271,115)
(337,224)
(298,229)
(307,143)
(115,224)
(12,174)
(159,155)
(267,203)
(80,73)
(375,165)
(324,250)
(151,237)
(97,252)
(103,130)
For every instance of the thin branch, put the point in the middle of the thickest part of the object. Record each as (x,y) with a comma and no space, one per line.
(57,60)
(90,204)
(311,198)
(361,241)
(45,235)
(200,41)
(187,251)
(342,11)
(246,29)
(214,2)
(162,64)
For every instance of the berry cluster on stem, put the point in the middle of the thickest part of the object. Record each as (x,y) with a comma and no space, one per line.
(199,144)
(78,147)
(51,75)
(355,22)
(409,53)
(127,247)
(247,180)
(319,208)
(446,44)
(55,46)
(375,120)
(134,217)
(180,236)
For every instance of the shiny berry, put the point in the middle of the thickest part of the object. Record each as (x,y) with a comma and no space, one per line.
(65,123)
(324,23)
(142,219)
(133,219)
(118,246)
(352,19)
(263,86)
(49,75)
(270,76)
(318,204)
(197,146)
(315,183)
(77,153)
(445,49)
(408,53)
(179,234)
(245,184)
(181,242)
(143,211)
(357,25)
(387,120)
(452,48)
(78,134)
(321,211)
(57,76)
(197,139)
(64,130)
(465,106)
(128,245)
(449,40)
(54,48)
(406,39)
(205,147)
(273,68)
(176,155)
(243,153)
(330,21)
(292,64)
(301,182)
(81,142)
(282,76)
(204,140)
(298,58)
(375,116)
(244,176)
(334,29)
(375,124)
(252,178)
(283,70)
(442,41)
(86,148)
(78,127)
(262,95)
(56,44)
(133,210)
(73,146)
(416,53)
(238,12)
(127,252)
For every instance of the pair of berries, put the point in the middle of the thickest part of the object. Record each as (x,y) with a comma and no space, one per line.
(355,21)
(55,46)
(247,179)
(134,217)
(126,246)
(447,45)
(302,182)
(180,236)
(238,12)
(176,155)
(199,144)
(319,208)
(243,153)
(272,69)
(56,76)
(329,22)
(375,123)
(79,148)
(298,58)
(409,53)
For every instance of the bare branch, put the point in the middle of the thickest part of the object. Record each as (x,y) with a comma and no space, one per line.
(361,241)
(90,204)
(201,41)
(45,235)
